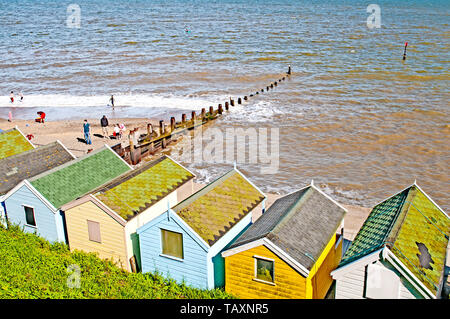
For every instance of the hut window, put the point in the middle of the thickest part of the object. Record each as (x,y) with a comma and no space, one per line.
(172,243)
(264,269)
(94,231)
(381,282)
(29,216)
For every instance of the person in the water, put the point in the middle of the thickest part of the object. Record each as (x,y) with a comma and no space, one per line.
(11,97)
(111,99)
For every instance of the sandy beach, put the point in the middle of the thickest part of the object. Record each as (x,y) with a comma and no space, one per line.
(70,132)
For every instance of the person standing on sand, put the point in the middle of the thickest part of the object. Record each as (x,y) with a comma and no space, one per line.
(111,99)
(11,97)
(104,123)
(87,132)
(118,131)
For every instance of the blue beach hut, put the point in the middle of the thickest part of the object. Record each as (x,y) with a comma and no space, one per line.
(185,242)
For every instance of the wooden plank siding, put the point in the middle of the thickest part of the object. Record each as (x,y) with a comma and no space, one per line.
(322,279)
(192,269)
(352,284)
(48,224)
(240,272)
(112,244)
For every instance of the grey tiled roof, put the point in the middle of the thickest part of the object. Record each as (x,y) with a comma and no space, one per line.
(14,169)
(301,223)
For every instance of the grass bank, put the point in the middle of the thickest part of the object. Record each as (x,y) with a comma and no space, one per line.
(31,267)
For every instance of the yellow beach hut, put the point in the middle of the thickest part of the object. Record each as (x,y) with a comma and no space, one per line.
(290,251)
(105,220)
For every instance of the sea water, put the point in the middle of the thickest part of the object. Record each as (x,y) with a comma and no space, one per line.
(354,116)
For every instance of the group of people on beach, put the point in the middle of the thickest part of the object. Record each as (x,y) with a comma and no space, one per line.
(117,131)
(11,96)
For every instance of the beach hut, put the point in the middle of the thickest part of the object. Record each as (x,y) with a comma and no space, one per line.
(105,221)
(35,203)
(185,242)
(399,252)
(290,251)
(12,142)
(16,168)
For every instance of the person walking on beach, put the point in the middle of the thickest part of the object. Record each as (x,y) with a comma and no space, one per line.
(111,99)
(11,97)
(87,132)
(104,123)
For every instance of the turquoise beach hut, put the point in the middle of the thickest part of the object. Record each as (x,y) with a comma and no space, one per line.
(35,203)
(185,242)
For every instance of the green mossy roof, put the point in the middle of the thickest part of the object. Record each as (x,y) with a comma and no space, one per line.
(216,208)
(12,142)
(132,193)
(404,222)
(76,178)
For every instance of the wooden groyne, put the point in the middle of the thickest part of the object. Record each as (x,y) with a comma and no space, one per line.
(154,140)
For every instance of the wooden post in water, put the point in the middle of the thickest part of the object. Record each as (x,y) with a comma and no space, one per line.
(239,101)
(262,90)
(172,124)
(257,92)
(271,85)
(267,88)
(245,98)
(226,106)
(211,111)
(231,102)
(404,52)
(132,149)
(161,127)
(149,130)
(275,83)
(203,114)
(193,116)
(183,118)
(219,109)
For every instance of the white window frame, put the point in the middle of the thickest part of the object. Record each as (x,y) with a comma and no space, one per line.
(34,216)
(255,273)
(161,244)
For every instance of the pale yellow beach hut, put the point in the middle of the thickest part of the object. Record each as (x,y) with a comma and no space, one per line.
(105,220)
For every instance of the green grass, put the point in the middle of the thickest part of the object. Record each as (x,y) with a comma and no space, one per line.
(31,267)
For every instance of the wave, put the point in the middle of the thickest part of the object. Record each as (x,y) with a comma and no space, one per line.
(121,100)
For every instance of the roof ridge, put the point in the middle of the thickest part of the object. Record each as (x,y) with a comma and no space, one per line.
(63,166)
(369,219)
(127,175)
(289,212)
(203,191)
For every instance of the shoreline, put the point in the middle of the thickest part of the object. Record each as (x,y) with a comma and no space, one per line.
(70,132)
